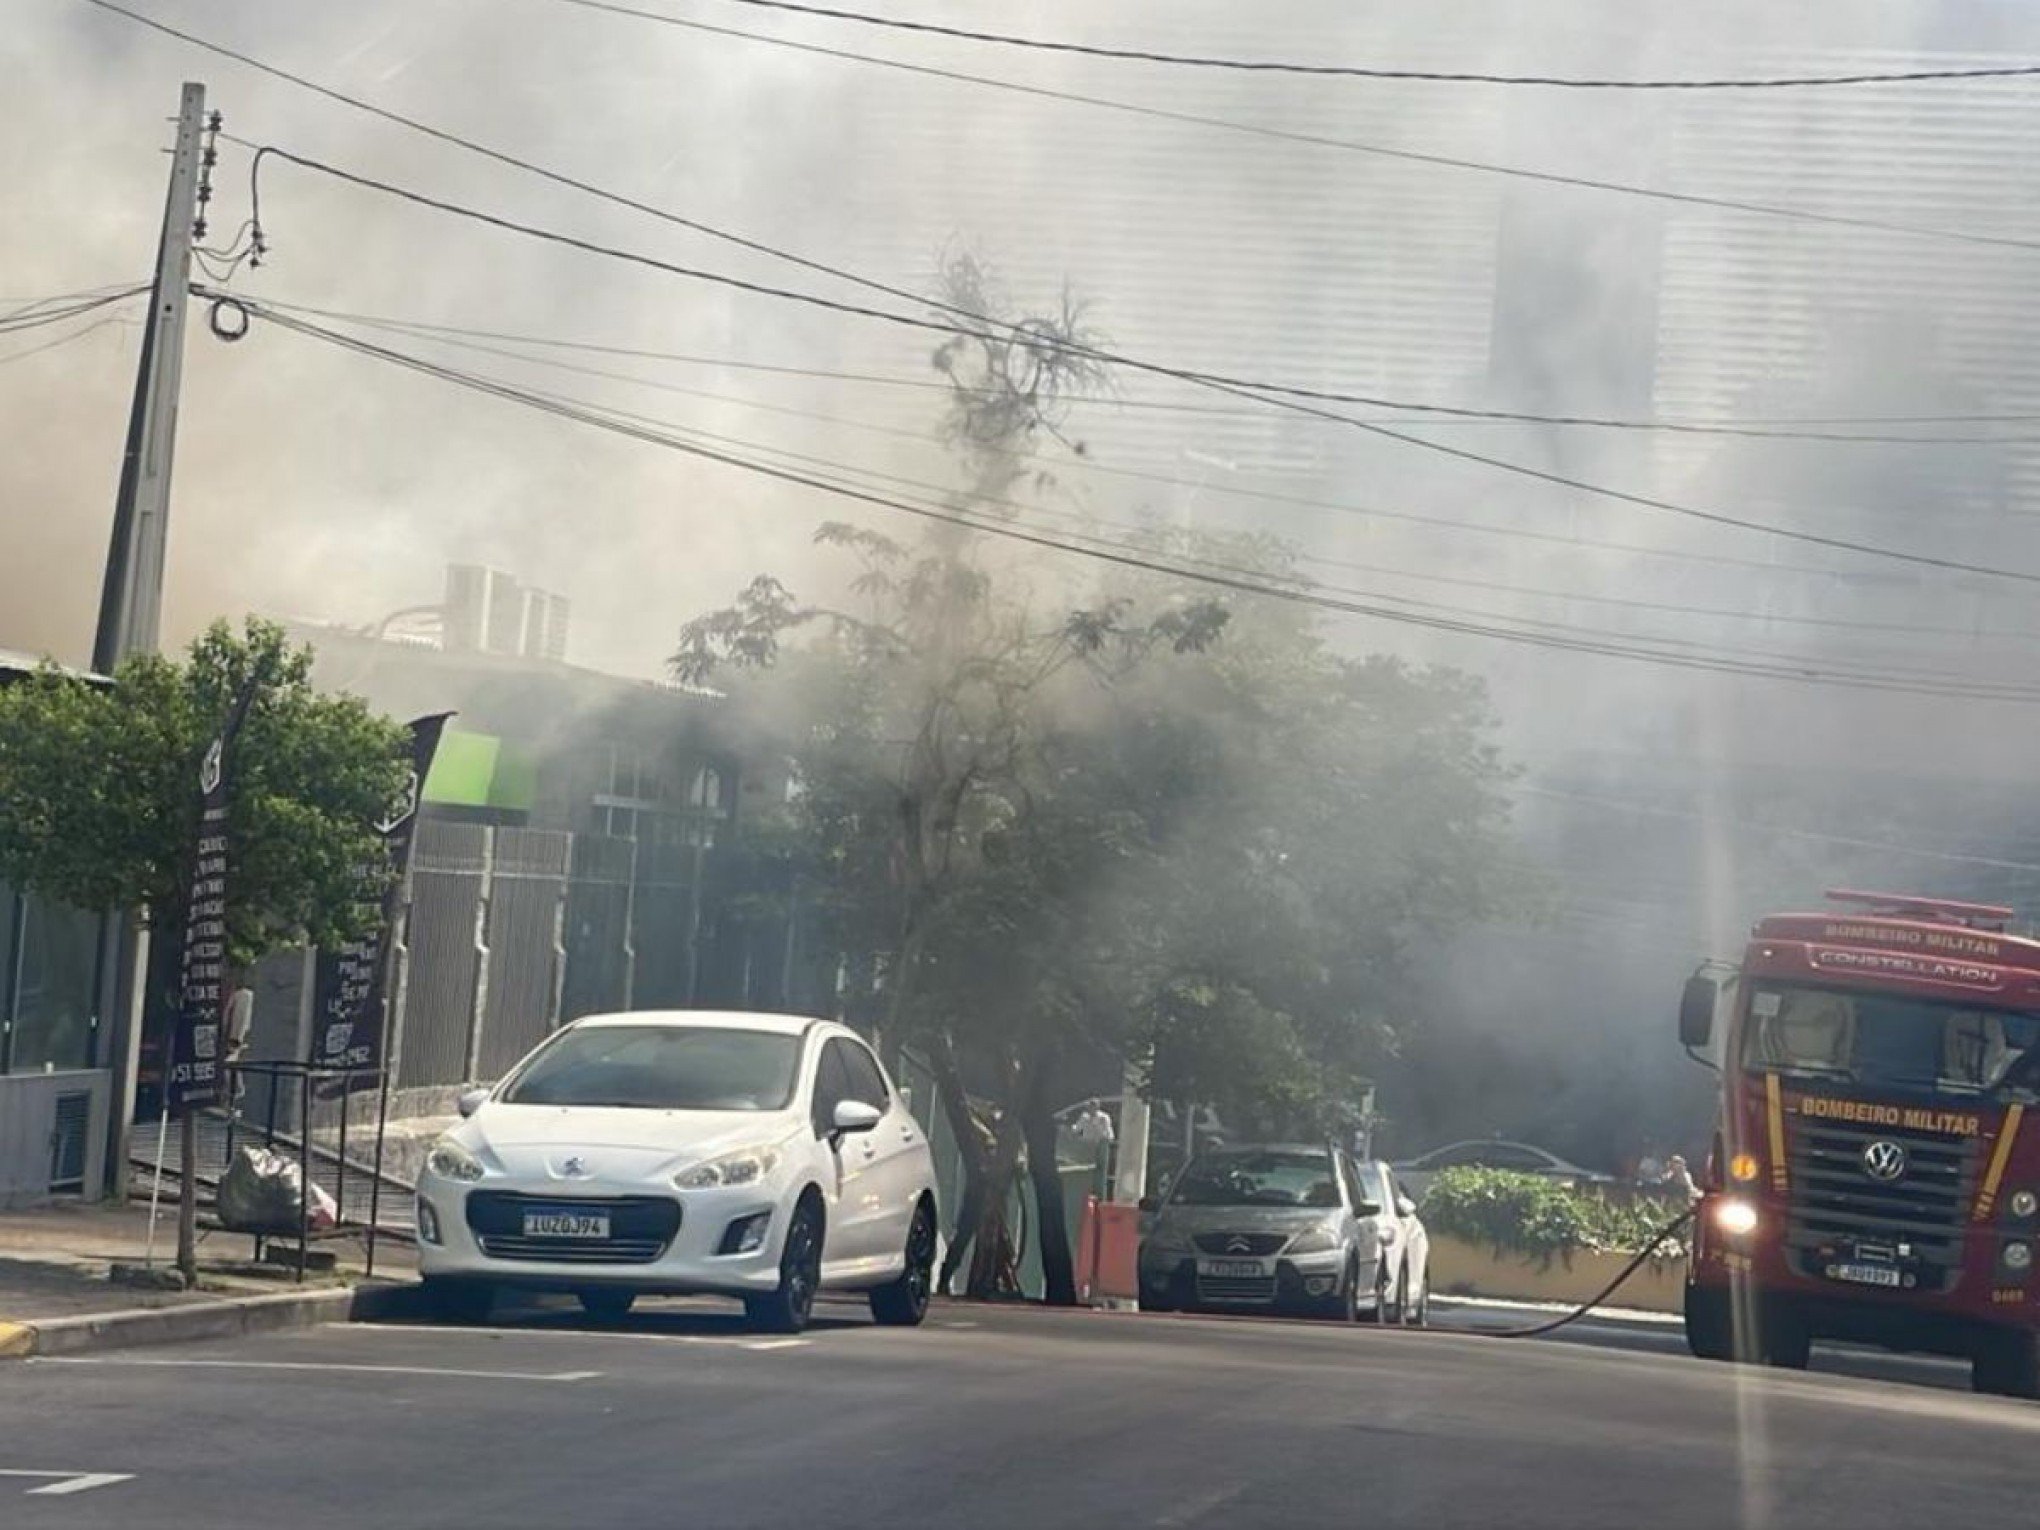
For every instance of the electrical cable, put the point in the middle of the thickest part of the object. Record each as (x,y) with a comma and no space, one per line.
(1649,1251)
(1754,429)
(1217,382)
(1410,156)
(1088,464)
(18,325)
(1244,582)
(1376,72)
(60,340)
(1294,135)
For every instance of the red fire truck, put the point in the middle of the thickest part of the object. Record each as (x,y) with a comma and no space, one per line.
(1873,1176)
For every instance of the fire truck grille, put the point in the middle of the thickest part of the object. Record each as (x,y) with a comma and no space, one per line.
(1915,1219)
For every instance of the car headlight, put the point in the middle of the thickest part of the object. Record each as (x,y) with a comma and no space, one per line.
(1321,1239)
(2024,1203)
(746,1166)
(1166,1240)
(449,1160)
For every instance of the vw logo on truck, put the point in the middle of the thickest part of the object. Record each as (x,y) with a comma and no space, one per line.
(1884,1159)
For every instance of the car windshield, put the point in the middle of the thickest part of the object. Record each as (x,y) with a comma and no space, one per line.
(1252,1177)
(1890,1040)
(661,1067)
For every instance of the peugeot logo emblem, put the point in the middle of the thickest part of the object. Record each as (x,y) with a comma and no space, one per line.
(1884,1159)
(1240,1245)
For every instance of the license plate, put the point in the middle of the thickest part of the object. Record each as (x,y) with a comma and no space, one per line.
(1865,1274)
(566,1224)
(1235,1269)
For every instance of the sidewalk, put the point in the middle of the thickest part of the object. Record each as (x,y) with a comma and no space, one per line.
(59,1284)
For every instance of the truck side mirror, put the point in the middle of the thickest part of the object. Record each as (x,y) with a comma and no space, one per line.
(1696,1011)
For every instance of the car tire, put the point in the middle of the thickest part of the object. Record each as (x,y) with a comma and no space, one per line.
(1710,1323)
(1787,1340)
(1399,1314)
(1381,1304)
(606,1304)
(1418,1313)
(788,1308)
(458,1301)
(904,1302)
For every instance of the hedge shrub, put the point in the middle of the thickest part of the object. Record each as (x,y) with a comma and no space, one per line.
(1543,1219)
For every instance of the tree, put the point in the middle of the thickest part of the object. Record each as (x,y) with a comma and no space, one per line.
(99,795)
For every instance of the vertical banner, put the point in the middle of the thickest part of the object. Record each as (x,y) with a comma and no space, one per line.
(195,1042)
(350,997)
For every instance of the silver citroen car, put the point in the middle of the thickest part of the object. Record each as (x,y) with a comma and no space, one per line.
(1296,1229)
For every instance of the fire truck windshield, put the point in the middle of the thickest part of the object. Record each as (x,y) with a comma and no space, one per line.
(1892,1041)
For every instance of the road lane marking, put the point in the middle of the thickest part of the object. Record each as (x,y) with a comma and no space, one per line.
(67,1483)
(713,1341)
(322,1365)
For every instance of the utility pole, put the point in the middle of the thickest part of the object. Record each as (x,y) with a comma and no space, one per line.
(131,599)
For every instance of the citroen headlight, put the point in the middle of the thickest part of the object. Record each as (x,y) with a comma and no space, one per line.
(449,1160)
(746,1166)
(1166,1239)
(1321,1239)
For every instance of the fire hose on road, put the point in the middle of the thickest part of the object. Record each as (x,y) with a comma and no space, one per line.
(1682,1220)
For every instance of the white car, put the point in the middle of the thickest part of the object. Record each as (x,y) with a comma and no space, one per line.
(764,1157)
(1416,1174)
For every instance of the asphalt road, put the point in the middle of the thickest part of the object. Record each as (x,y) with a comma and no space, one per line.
(986,1418)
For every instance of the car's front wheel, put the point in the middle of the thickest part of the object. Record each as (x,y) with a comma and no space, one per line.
(787,1309)
(459,1301)
(1398,1311)
(904,1303)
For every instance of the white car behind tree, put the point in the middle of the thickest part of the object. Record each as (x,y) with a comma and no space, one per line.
(762,1157)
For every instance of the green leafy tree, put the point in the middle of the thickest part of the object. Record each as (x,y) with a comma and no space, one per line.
(99,797)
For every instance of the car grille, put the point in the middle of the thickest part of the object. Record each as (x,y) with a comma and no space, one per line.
(1213,1288)
(1251,1245)
(1834,1201)
(640,1227)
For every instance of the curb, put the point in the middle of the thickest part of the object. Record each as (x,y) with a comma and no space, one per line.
(225,1318)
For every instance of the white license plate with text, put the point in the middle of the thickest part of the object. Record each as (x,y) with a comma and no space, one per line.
(566,1224)
(1235,1269)
(1865,1274)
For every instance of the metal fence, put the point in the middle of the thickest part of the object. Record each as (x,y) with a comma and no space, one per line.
(513,931)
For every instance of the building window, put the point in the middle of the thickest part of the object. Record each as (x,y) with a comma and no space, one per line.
(49,959)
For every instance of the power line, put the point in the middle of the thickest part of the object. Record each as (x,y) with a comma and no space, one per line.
(60,340)
(438,334)
(1410,156)
(1377,72)
(1757,429)
(1294,135)
(47,316)
(1217,382)
(1247,582)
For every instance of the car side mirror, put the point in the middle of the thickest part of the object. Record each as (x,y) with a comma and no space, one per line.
(470,1101)
(1367,1209)
(854,1116)
(1149,1204)
(1696,1011)
(1405,1207)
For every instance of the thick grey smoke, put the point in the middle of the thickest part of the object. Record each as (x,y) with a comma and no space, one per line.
(318,484)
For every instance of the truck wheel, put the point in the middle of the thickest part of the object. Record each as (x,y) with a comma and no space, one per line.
(2007,1364)
(1710,1329)
(1787,1341)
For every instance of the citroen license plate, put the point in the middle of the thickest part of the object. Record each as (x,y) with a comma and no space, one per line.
(1234,1269)
(1865,1274)
(566,1224)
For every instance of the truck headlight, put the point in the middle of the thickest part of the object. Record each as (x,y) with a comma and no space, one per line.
(2018,1256)
(2023,1203)
(1738,1219)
